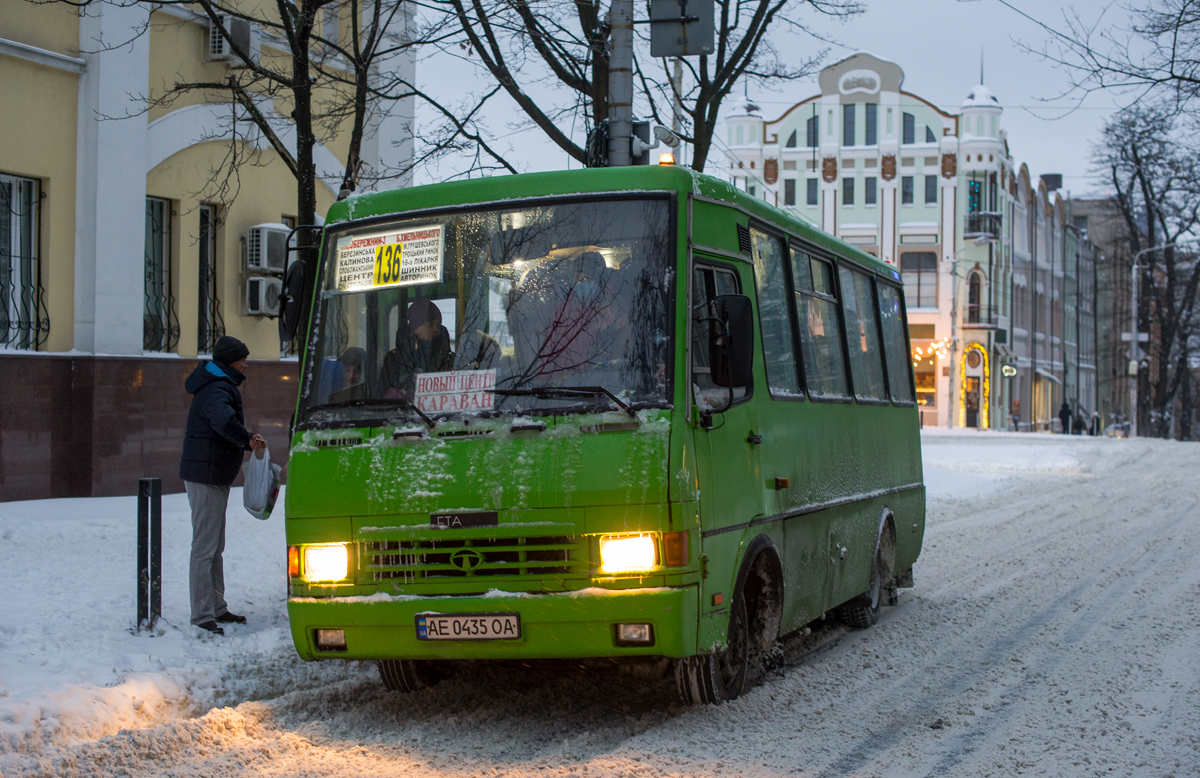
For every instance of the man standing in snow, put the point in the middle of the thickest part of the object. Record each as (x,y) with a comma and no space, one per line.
(1064,416)
(213,445)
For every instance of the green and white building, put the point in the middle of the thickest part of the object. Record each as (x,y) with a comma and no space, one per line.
(939,195)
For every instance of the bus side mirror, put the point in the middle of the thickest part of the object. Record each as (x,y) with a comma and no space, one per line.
(289,301)
(731,341)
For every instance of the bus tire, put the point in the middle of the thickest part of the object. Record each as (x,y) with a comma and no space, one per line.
(402,675)
(719,676)
(863,611)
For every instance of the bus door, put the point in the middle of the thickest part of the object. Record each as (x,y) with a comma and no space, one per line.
(726,450)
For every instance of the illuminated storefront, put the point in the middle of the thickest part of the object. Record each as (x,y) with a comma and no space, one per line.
(976,395)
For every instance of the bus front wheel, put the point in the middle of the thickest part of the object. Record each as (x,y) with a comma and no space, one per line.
(406,675)
(719,676)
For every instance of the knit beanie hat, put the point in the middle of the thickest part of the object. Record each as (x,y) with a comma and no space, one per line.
(229,350)
(422,311)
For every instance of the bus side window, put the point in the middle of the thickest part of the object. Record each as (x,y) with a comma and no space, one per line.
(707,283)
(774,316)
(862,336)
(895,345)
(821,337)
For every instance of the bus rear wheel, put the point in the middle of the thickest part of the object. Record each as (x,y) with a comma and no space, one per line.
(406,675)
(720,676)
(863,611)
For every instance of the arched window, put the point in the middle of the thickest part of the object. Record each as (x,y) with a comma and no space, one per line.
(791,141)
(740,135)
(974,297)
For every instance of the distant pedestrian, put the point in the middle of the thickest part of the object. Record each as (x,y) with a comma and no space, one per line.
(1064,415)
(213,445)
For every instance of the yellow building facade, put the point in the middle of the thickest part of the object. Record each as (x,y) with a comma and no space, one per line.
(127,248)
(133,220)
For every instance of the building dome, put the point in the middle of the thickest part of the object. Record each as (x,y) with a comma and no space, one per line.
(981,97)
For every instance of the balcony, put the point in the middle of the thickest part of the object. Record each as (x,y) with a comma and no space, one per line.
(981,317)
(982,223)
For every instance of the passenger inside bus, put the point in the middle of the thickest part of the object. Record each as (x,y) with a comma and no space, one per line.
(422,346)
(353,361)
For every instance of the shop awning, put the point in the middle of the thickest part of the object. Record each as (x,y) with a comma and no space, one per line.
(1048,374)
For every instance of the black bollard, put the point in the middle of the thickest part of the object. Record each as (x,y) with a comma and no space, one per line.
(155,550)
(149,552)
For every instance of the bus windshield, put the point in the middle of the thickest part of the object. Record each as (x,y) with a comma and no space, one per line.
(536,309)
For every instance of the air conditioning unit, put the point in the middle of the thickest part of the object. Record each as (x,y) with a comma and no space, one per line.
(266,248)
(244,33)
(262,296)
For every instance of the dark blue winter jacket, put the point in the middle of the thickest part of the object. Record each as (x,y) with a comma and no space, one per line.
(216,433)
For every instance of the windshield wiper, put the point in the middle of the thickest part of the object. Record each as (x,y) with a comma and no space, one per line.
(400,401)
(547,392)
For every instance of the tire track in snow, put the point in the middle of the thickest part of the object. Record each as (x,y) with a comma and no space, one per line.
(1083,625)
(1013,641)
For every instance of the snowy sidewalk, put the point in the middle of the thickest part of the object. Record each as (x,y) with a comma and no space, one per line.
(71,669)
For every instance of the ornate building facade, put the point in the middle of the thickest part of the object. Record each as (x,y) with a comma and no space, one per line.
(993,271)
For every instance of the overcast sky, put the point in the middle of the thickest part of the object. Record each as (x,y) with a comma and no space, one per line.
(938,45)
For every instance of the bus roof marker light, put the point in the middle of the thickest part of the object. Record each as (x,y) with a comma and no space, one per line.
(666,158)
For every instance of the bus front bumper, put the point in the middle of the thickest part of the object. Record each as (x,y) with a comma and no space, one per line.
(553,626)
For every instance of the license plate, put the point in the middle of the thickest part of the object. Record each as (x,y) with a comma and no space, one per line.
(468,626)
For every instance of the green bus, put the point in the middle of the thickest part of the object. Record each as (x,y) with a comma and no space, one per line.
(631,417)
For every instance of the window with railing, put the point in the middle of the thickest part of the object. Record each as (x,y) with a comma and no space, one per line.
(210,326)
(974,298)
(160,322)
(982,218)
(982,223)
(24,321)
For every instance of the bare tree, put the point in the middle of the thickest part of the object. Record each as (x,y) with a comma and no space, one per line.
(1156,53)
(338,73)
(561,50)
(1153,175)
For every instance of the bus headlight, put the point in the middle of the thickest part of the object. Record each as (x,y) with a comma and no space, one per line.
(329,562)
(628,553)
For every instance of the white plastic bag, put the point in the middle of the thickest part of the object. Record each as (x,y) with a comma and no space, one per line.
(262,485)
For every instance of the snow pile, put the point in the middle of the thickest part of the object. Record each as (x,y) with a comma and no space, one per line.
(69,713)
(972,451)
(968,464)
(70,666)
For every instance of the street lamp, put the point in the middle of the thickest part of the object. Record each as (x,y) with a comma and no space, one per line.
(1133,341)
(980,240)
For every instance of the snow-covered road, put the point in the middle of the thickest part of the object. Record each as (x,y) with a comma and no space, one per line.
(1054,630)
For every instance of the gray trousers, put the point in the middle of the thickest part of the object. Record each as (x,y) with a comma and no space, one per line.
(206,573)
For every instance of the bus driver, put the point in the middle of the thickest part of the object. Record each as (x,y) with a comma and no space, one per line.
(422,346)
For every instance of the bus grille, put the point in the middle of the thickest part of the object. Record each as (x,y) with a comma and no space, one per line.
(419,560)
